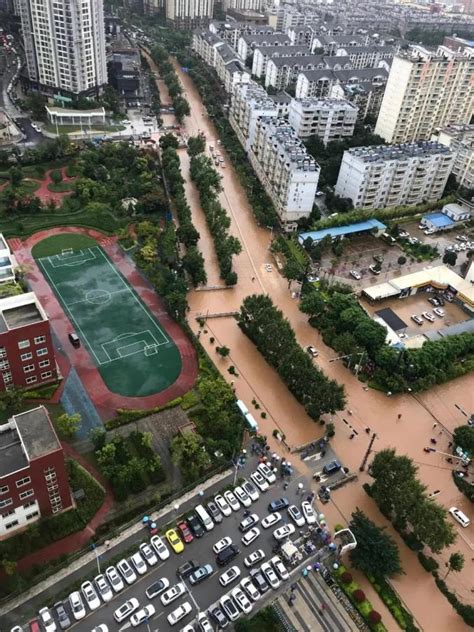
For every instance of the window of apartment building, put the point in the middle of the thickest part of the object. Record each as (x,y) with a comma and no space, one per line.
(21,482)
(8,513)
(26,356)
(23,344)
(4,365)
(7,378)
(3,352)
(32,515)
(43,351)
(30,503)
(43,364)
(46,374)
(28,368)
(4,489)
(5,502)
(10,525)
(26,494)
(40,339)
(31,380)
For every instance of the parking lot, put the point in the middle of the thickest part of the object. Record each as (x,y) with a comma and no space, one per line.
(200,551)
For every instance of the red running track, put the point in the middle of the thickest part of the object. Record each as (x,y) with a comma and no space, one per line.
(105,401)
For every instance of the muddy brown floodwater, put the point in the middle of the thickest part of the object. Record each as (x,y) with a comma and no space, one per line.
(256,380)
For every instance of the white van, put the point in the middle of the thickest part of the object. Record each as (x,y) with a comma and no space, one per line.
(460,517)
(204,518)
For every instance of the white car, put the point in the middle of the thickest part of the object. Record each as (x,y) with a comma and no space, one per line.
(242,496)
(232,500)
(103,588)
(308,512)
(229,576)
(241,600)
(249,587)
(204,625)
(270,520)
(114,578)
(126,571)
(47,620)
(439,312)
(296,515)
(356,275)
(90,595)
(249,522)
(416,319)
(139,563)
(148,554)
(250,536)
(428,316)
(259,481)
(229,608)
(284,531)
(173,593)
(142,615)
(180,612)
(254,558)
(222,544)
(280,568)
(270,575)
(160,547)
(77,605)
(266,472)
(460,517)
(251,490)
(223,505)
(126,609)
(268,267)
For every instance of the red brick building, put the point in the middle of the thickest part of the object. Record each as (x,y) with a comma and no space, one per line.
(27,357)
(33,475)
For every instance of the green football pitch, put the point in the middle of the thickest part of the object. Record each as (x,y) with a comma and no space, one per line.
(133,354)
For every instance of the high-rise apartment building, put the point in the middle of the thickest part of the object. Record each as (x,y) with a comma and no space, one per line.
(460,140)
(329,119)
(377,177)
(249,102)
(426,90)
(188,14)
(64,46)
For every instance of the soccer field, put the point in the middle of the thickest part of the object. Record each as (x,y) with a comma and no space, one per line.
(132,352)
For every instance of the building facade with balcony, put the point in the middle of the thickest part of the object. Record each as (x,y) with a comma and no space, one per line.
(27,357)
(249,103)
(460,140)
(188,14)
(33,476)
(329,119)
(406,174)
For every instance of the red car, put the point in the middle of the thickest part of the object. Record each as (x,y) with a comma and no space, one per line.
(185,532)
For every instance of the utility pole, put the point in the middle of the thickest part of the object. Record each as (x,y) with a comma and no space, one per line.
(368,451)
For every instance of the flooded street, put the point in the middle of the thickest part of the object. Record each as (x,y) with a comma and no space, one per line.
(372,409)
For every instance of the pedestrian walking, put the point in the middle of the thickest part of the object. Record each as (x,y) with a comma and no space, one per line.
(352,436)
(253,279)
(367,430)
(434,425)
(399,416)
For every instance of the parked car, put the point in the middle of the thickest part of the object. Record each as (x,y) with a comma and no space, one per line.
(460,517)
(222,544)
(148,554)
(227,555)
(218,616)
(428,316)
(248,522)
(74,339)
(254,558)
(270,575)
(114,578)
(355,275)
(378,258)
(439,312)
(259,481)
(160,547)
(375,269)
(284,531)
(179,613)
(229,576)
(47,620)
(126,609)
(187,568)
(139,563)
(157,588)
(416,319)
(308,512)
(296,515)
(250,536)
(173,593)
(200,574)
(278,505)
(266,472)
(214,512)
(241,599)
(195,526)
(90,595)
(249,588)
(103,588)
(77,605)
(280,568)
(229,607)
(232,500)
(223,505)
(313,352)
(142,615)
(251,490)
(185,531)
(62,615)
(126,571)
(259,580)
(175,541)
(434,301)
(271,520)
(332,467)
(242,496)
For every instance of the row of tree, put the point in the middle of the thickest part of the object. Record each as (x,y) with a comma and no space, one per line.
(207,181)
(193,261)
(403,498)
(168,74)
(271,332)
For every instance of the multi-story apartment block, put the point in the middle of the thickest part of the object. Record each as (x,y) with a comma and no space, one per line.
(377,177)
(426,90)
(304,35)
(367,56)
(33,476)
(245,5)
(248,43)
(321,82)
(287,172)
(283,71)
(188,14)
(205,44)
(27,357)
(262,54)
(329,119)
(64,46)
(7,262)
(249,103)
(232,31)
(460,140)
(364,95)
(328,44)
(229,68)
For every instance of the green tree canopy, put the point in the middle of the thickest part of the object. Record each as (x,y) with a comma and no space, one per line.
(464,438)
(68,425)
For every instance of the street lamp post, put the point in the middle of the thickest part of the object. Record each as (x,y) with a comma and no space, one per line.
(97,556)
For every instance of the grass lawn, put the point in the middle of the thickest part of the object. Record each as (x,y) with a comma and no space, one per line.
(24,225)
(27,187)
(297,252)
(60,187)
(57,243)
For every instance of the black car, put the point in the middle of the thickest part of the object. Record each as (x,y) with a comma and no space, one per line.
(156,588)
(62,615)
(332,467)
(278,505)
(259,580)
(195,526)
(227,555)
(214,512)
(187,568)
(74,339)
(218,616)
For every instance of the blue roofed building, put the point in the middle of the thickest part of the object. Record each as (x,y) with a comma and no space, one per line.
(370,225)
(448,217)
